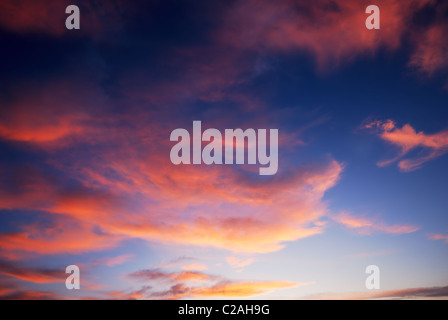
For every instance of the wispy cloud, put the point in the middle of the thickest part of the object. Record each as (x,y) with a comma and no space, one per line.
(199,285)
(236,262)
(372,254)
(438,236)
(407,139)
(35,275)
(365,225)
(113,261)
(400,294)
(194,267)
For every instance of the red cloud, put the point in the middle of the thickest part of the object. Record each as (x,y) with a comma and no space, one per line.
(333,31)
(38,17)
(33,16)
(407,139)
(231,211)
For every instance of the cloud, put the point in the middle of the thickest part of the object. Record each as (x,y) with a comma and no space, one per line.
(130,295)
(197,285)
(400,294)
(212,286)
(110,262)
(241,289)
(364,225)
(334,32)
(194,267)
(37,17)
(431,50)
(158,274)
(430,54)
(32,16)
(407,139)
(35,275)
(236,262)
(176,262)
(31,295)
(372,254)
(438,237)
(269,212)
(69,237)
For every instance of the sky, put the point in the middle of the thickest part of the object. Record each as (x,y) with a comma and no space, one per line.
(86,177)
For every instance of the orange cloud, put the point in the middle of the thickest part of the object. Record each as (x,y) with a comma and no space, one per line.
(366,226)
(241,289)
(248,216)
(160,275)
(407,139)
(60,237)
(209,286)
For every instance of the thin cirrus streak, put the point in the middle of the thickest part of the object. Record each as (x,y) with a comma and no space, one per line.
(407,139)
(438,236)
(364,225)
(400,294)
(34,275)
(236,262)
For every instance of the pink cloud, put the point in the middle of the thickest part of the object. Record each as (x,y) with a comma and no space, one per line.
(438,237)
(364,225)
(110,262)
(407,139)
(194,267)
(248,216)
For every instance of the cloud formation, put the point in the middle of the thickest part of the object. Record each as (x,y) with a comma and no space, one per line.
(408,139)
(35,275)
(400,294)
(197,285)
(364,225)
(438,236)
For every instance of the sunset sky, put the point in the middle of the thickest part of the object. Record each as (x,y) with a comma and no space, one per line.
(85,171)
